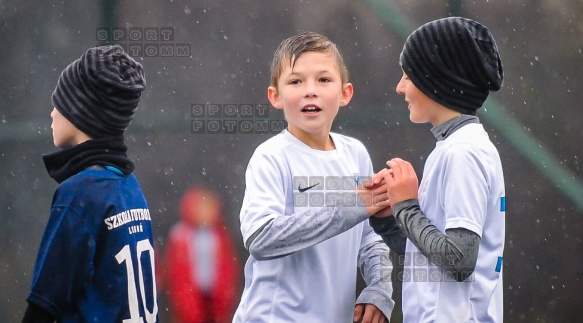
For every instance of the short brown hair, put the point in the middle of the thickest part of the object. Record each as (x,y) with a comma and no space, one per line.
(292,48)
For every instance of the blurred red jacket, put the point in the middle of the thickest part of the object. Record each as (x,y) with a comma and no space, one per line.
(189,302)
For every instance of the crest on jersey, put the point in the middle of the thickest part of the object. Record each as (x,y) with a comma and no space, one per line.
(356,178)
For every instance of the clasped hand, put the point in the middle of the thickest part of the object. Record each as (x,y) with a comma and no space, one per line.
(388,187)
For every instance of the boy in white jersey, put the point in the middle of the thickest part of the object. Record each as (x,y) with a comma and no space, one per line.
(304,226)
(454,221)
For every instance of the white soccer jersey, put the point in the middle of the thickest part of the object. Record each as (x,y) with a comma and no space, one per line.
(316,283)
(462,187)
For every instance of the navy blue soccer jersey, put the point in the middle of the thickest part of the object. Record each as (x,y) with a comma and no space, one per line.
(96,259)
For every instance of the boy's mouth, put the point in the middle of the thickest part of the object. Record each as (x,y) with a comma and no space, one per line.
(311,109)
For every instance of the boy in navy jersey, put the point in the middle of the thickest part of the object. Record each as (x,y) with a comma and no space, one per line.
(454,219)
(96,258)
(304,226)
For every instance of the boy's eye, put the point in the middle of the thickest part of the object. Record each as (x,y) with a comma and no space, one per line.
(325,80)
(294,82)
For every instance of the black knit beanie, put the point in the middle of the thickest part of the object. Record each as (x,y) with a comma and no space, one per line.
(454,61)
(100,91)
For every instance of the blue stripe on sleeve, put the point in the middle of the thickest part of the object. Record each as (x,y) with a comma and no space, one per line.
(499,264)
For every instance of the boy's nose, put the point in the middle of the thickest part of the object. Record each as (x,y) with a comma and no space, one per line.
(400,87)
(311,89)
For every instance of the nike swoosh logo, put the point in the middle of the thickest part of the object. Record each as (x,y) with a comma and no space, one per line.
(303,189)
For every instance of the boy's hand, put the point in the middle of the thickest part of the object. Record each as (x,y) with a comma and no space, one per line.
(377,179)
(371,314)
(402,183)
(374,196)
(384,213)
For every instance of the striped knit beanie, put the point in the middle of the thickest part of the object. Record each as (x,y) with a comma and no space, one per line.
(454,61)
(100,91)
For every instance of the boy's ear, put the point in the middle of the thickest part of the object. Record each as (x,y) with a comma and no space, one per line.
(273,97)
(347,92)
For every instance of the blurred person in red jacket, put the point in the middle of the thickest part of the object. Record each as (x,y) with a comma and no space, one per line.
(202,268)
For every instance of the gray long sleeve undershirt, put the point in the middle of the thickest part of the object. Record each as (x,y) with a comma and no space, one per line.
(285,235)
(456,250)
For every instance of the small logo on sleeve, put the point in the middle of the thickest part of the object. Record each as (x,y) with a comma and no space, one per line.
(503,204)
(499,264)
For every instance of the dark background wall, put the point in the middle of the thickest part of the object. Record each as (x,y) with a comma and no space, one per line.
(231,45)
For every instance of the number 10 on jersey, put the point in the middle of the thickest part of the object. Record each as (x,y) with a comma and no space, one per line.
(125,255)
